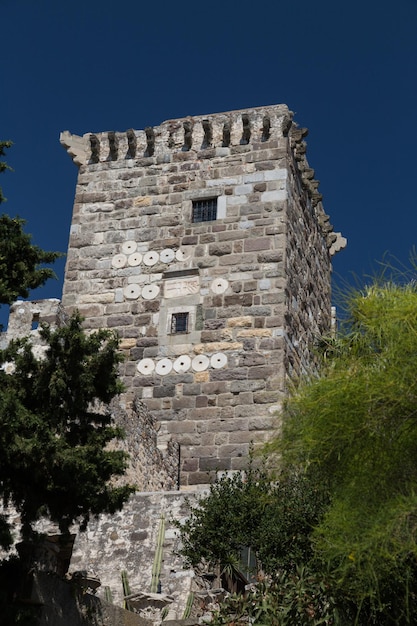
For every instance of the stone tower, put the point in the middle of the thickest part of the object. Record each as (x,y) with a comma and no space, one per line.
(204,243)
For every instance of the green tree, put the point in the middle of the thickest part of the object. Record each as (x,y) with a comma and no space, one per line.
(272,517)
(354,428)
(56,424)
(3,165)
(20,261)
(275,518)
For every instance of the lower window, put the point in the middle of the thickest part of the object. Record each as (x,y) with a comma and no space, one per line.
(179,323)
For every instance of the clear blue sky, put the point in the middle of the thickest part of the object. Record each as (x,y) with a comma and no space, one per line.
(348,70)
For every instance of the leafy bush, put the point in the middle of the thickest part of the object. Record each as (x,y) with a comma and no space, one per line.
(298,598)
(273,517)
(354,428)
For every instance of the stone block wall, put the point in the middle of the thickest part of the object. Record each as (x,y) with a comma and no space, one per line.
(25,317)
(251,287)
(62,603)
(142,541)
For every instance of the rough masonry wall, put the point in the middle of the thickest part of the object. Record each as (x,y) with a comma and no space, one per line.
(141,540)
(244,280)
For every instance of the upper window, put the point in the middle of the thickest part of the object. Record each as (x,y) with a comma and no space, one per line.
(205,210)
(179,323)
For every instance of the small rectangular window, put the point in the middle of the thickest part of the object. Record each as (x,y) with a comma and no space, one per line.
(179,323)
(205,210)
(35,321)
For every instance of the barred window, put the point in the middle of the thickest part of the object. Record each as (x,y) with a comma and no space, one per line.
(205,210)
(179,323)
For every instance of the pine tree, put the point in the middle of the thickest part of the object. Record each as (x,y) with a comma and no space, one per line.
(55,422)
(56,425)
(20,260)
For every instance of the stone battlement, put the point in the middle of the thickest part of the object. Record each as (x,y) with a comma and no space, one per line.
(219,132)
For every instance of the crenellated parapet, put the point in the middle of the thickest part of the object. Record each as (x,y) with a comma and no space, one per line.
(220,130)
(207,136)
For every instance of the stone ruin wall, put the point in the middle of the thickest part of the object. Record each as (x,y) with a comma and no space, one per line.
(142,541)
(255,282)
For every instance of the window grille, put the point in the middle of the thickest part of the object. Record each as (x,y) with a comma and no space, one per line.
(179,323)
(205,210)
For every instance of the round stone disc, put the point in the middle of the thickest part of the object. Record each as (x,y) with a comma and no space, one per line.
(167,255)
(149,292)
(182,363)
(200,363)
(145,367)
(150,258)
(119,260)
(132,292)
(163,367)
(135,259)
(181,256)
(128,247)
(219,285)
(218,360)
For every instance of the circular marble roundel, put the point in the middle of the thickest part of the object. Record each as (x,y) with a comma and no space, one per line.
(167,255)
(149,292)
(135,259)
(128,247)
(181,256)
(163,367)
(182,363)
(131,292)
(146,366)
(150,258)
(219,285)
(218,360)
(119,260)
(200,363)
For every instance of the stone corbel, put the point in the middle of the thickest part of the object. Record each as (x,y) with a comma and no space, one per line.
(338,244)
(298,134)
(76,147)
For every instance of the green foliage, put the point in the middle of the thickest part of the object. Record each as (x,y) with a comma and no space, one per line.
(274,518)
(337,533)
(354,429)
(3,165)
(298,597)
(55,426)
(20,261)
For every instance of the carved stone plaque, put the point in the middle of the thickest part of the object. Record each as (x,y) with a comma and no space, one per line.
(181,287)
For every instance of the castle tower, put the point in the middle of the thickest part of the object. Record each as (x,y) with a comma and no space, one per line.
(204,243)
